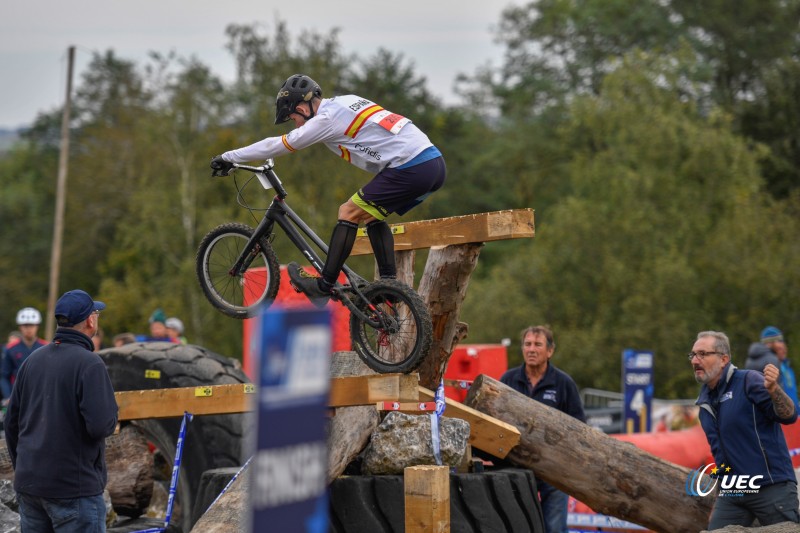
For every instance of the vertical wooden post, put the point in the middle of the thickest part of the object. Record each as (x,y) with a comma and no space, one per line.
(61,193)
(427,499)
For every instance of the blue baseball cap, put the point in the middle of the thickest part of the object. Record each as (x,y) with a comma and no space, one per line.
(771,334)
(75,306)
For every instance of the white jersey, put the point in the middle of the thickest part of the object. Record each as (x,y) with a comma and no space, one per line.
(359,131)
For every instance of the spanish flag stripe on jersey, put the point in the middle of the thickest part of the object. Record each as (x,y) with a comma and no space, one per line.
(345,153)
(286,144)
(360,119)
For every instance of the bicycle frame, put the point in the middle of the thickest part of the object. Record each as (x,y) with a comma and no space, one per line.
(280,213)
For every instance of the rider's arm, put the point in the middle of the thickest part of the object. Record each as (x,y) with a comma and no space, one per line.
(315,130)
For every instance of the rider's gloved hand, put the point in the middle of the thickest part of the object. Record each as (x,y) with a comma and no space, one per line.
(220,167)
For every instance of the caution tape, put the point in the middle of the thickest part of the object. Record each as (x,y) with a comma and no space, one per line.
(173,484)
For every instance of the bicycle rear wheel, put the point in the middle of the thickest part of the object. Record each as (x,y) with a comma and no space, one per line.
(237,296)
(403,340)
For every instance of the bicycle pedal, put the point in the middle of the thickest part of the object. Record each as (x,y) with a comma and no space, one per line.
(295,287)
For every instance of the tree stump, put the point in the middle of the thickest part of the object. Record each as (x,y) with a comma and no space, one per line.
(612,477)
(443,287)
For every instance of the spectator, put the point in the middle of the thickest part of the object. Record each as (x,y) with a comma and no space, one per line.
(123,339)
(62,408)
(17,350)
(97,340)
(175,329)
(158,329)
(772,350)
(741,412)
(540,380)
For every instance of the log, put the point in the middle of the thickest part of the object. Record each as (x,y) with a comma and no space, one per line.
(130,470)
(350,427)
(443,287)
(612,477)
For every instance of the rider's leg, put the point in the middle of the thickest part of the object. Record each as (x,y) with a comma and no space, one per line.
(341,244)
(382,241)
(339,248)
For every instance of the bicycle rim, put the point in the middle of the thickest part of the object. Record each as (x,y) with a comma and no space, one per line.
(240,295)
(403,341)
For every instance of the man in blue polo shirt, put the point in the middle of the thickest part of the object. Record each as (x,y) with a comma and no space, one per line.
(540,380)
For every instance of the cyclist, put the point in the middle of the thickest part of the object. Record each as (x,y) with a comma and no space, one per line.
(16,351)
(407,168)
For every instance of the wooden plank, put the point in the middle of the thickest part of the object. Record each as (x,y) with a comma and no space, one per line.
(481,227)
(485,432)
(427,499)
(363,390)
(166,403)
(237,398)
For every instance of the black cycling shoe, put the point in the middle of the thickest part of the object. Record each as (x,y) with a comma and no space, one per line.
(308,284)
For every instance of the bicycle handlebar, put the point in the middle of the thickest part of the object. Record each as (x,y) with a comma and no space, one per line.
(266,175)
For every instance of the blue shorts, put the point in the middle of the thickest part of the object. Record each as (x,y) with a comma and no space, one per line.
(398,190)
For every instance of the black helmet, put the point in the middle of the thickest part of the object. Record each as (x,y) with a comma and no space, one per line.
(298,88)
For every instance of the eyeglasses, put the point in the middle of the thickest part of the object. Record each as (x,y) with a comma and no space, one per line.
(701,354)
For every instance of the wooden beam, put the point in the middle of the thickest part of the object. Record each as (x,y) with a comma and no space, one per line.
(481,227)
(238,398)
(485,432)
(373,388)
(427,499)
(167,403)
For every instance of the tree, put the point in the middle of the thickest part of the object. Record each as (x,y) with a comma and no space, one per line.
(623,259)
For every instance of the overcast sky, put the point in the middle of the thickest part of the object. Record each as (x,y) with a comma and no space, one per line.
(441,37)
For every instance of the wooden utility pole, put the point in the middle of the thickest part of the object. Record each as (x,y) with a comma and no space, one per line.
(61,193)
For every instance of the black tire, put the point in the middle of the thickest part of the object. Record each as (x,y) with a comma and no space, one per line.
(490,502)
(236,296)
(212,441)
(403,345)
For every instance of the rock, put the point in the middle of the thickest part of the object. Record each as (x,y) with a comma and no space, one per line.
(9,520)
(403,440)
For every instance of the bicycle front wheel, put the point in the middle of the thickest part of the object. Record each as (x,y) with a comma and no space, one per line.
(237,295)
(403,339)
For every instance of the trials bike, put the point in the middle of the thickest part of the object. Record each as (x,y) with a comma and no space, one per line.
(390,325)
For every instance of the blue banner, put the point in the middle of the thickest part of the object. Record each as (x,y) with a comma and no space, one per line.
(637,388)
(290,465)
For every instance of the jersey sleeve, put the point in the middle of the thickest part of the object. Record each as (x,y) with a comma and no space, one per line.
(318,129)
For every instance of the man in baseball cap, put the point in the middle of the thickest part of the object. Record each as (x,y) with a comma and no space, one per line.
(74,307)
(61,410)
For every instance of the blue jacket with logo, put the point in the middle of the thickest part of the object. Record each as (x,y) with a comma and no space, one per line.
(14,354)
(556,389)
(742,428)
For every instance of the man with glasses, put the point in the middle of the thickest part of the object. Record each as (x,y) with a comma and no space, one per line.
(61,410)
(741,412)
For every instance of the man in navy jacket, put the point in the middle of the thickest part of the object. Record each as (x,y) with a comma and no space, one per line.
(537,378)
(62,408)
(741,412)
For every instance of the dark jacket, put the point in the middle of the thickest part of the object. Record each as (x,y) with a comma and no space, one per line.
(61,410)
(556,389)
(759,355)
(14,354)
(742,428)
